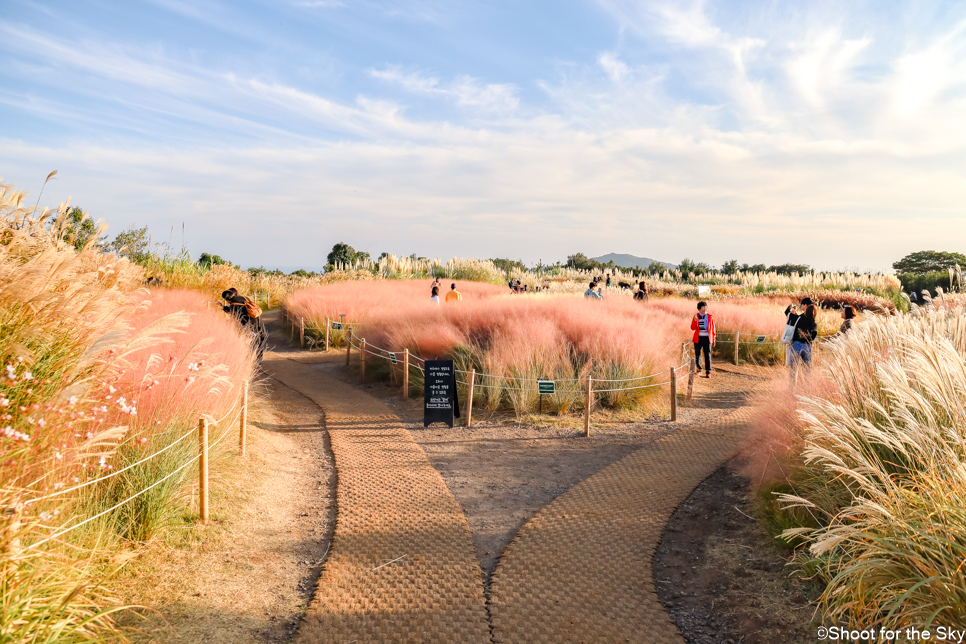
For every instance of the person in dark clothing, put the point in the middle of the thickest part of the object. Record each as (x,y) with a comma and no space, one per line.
(704,338)
(255,326)
(642,292)
(848,315)
(806,331)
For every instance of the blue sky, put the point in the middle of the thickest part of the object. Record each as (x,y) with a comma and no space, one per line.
(825,133)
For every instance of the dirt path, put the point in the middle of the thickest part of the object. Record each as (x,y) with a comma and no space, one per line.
(722,578)
(249,575)
(584,514)
(502,473)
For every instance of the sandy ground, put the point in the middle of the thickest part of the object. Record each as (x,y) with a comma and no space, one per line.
(249,575)
(502,473)
(722,579)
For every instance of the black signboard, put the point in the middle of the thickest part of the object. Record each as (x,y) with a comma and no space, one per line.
(440,403)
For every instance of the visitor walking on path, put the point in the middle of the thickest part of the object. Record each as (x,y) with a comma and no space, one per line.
(806,330)
(453,295)
(591,294)
(249,317)
(704,338)
(434,298)
(848,315)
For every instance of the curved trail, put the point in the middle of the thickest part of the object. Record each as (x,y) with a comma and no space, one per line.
(391,505)
(578,571)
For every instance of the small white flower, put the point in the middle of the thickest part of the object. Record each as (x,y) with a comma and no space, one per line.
(27,375)
(111,389)
(192,367)
(58,486)
(76,479)
(11,373)
(90,434)
(4,401)
(41,422)
(58,456)
(46,516)
(191,378)
(73,400)
(121,401)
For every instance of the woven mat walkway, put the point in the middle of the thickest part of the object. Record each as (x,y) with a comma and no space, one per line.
(580,570)
(391,504)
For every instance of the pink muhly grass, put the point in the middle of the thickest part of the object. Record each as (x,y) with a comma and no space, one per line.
(775,443)
(751,316)
(520,337)
(197,371)
(358,300)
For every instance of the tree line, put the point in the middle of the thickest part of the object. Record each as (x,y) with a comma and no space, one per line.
(921,270)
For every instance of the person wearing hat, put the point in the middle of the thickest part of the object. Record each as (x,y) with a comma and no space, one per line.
(806,331)
(453,295)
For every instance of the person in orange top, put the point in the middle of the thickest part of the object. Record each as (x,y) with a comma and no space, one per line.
(453,295)
(704,336)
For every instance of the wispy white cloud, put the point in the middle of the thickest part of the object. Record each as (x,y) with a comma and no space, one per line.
(615,68)
(463,90)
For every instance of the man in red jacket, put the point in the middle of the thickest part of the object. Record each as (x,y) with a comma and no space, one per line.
(704,336)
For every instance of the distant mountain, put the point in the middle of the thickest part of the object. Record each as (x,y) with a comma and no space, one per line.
(629,261)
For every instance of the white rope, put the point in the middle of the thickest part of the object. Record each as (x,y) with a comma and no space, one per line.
(134,496)
(112,474)
(114,507)
(512,378)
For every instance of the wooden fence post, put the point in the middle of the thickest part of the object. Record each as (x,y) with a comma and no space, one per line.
(327,334)
(737,341)
(362,358)
(469,398)
(674,396)
(590,401)
(405,373)
(694,365)
(243,428)
(203,470)
(348,346)
(301,332)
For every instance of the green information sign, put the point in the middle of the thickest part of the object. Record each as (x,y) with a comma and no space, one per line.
(546,386)
(336,326)
(761,338)
(392,358)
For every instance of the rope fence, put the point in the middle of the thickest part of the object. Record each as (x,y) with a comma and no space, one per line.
(238,414)
(675,374)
